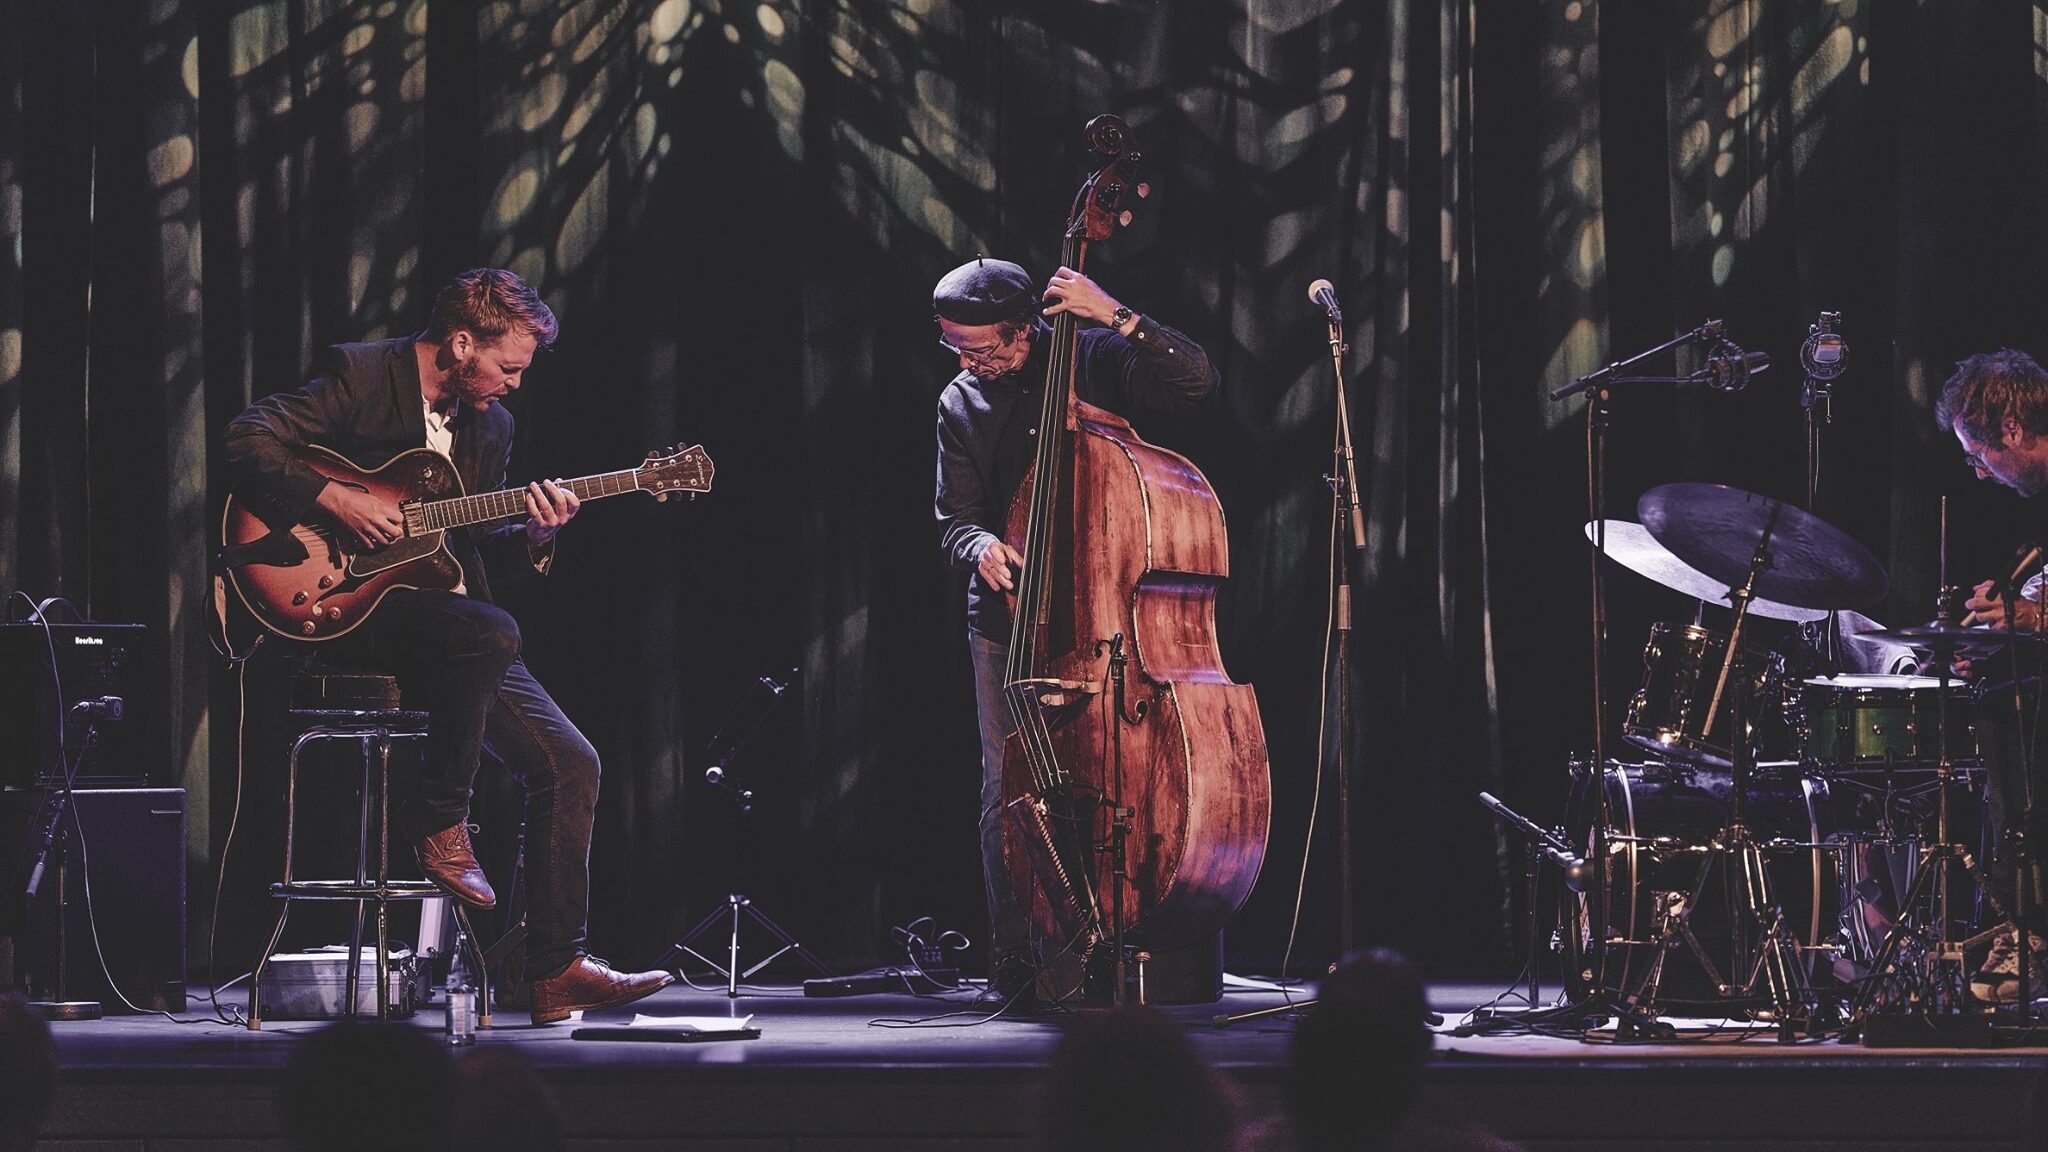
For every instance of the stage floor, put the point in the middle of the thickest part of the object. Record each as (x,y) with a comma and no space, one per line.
(844,1075)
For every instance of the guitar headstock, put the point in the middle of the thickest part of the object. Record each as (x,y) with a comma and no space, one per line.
(679,469)
(1099,207)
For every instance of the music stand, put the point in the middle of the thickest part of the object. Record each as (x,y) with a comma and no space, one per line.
(731,737)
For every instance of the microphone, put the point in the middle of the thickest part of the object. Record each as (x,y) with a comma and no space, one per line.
(1729,368)
(1325,293)
(1825,355)
(99,708)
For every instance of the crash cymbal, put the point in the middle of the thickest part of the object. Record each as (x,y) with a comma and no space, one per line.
(1630,545)
(1944,640)
(1715,529)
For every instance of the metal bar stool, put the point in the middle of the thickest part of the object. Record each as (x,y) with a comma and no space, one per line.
(375,729)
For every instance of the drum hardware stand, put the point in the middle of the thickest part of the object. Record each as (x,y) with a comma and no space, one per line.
(1792,1001)
(737,906)
(1944,989)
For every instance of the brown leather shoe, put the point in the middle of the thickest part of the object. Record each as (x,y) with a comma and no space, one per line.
(589,983)
(449,861)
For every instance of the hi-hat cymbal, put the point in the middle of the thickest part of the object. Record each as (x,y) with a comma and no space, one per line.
(1630,545)
(1943,641)
(1715,529)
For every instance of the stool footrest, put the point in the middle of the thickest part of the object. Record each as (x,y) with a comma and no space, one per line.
(350,890)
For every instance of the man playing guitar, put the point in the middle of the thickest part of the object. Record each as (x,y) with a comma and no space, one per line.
(440,388)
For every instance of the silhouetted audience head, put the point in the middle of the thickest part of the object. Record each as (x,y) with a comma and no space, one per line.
(28,1073)
(352,1086)
(502,1104)
(1358,1054)
(1128,1081)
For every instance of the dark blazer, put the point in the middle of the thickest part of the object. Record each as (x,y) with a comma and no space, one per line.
(364,401)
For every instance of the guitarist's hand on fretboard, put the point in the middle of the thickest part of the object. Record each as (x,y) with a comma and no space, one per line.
(374,519)
(548,508)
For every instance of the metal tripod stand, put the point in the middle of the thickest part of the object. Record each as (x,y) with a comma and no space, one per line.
(732,736)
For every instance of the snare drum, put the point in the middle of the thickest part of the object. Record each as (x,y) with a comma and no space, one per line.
(1857,722)
(1681,665)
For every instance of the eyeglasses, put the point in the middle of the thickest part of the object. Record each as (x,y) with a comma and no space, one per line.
(982,355)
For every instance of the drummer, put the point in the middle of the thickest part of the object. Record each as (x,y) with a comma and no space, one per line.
(1996,405)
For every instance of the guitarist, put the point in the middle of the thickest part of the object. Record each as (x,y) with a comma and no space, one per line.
(440,389)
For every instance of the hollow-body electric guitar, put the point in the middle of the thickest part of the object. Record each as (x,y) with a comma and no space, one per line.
(315,581)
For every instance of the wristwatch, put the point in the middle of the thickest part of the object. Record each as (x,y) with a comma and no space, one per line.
(1120,317)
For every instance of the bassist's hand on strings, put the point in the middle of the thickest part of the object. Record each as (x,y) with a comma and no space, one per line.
(1069,291)
(373,519)
(548,507)
(997,562)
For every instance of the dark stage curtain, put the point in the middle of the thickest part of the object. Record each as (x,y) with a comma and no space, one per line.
(738,211)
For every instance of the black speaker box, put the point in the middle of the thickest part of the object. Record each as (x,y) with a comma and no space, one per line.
(93,660)
(132,864)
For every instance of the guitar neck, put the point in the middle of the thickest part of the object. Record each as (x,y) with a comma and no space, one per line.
(461,511)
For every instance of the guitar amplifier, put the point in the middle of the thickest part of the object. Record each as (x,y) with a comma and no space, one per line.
(133,865)
(92,661)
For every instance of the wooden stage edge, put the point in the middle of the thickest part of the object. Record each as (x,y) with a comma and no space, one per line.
(850,1075)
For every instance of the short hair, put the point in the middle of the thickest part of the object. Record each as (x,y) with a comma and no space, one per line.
(1129,1080)
(401,1067)
(1355,1066)
(28,1070)
(1989,387)
(491,302)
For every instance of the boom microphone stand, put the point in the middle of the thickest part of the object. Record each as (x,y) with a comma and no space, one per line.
(738,907)
(1598,386)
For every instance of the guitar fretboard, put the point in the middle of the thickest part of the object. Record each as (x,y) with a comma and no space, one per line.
(508,502)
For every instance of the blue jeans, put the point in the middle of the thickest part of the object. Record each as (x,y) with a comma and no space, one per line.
(1009,929)
(460,658)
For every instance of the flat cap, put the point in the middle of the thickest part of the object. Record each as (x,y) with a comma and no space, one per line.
(984,291)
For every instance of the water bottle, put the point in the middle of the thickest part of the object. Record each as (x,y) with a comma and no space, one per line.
(459,999)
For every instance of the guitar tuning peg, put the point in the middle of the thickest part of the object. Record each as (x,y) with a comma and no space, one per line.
(1124,219)
(1144,190)
(661,497)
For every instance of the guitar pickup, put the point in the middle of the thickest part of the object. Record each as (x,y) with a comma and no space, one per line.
(1032,817)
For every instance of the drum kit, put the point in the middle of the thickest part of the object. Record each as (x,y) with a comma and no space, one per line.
(1784,849)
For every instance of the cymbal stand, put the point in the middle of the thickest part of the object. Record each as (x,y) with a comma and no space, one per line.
(1776,958)
(1941,988)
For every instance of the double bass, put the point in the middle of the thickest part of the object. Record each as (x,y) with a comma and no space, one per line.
(1135,778)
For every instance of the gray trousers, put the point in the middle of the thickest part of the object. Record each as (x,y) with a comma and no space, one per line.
(1009,928)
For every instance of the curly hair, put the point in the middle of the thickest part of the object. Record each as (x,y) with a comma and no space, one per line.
(490,302)
(1989,387)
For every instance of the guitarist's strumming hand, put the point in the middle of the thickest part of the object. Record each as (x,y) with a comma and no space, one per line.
(548,507)
(374,519)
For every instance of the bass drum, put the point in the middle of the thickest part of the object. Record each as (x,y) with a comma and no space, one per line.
(1661,819)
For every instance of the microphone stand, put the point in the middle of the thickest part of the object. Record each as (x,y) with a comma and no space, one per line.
(1344,484)
(728,741)
(1598,386)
